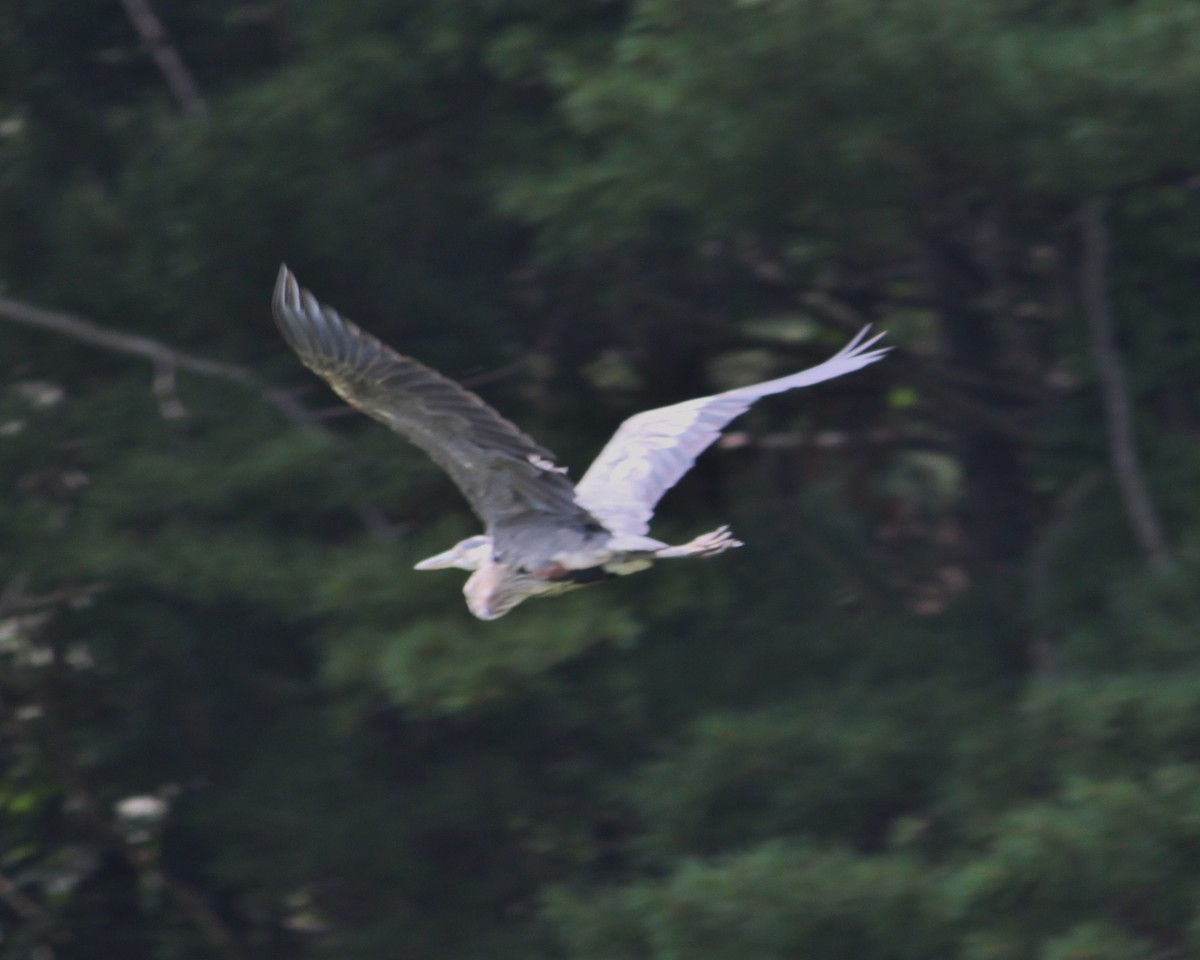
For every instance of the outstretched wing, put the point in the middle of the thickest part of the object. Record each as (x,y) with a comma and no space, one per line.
(502,472)
(651,451)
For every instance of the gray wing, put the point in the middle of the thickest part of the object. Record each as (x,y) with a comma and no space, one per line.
(651,451)
(503,473)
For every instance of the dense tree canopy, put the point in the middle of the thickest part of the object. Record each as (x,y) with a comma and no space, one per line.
(946,703)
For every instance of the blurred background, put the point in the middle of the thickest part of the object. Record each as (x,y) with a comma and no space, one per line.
(945,703)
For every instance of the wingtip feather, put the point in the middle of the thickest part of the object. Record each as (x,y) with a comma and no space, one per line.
(860,344)
(311,329)
(284,301)
(286,290)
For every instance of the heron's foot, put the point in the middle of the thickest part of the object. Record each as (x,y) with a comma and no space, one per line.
(705,545)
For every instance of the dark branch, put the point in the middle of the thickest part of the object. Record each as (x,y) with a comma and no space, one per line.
(1114,392)
(1040,572)
(165,359)
(166,57)
(15,602)
(22,904)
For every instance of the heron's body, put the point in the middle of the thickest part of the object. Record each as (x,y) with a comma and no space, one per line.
(544,534)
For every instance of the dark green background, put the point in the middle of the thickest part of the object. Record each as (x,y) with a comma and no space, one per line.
(940,706)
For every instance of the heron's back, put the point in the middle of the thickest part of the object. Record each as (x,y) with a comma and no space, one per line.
(535,541)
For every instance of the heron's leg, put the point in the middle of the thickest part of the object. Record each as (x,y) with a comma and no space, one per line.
(705,545)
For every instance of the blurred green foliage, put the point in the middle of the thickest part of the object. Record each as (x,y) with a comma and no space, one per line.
(936,708)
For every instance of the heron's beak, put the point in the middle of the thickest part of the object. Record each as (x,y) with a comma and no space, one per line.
(442,560)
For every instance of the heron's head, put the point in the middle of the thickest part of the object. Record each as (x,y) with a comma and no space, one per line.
(494,589)
(467,554)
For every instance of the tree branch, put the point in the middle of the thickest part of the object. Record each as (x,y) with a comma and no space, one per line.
(166,57)
(15,602)
(165,359)
(1040,570)
(22,904)
(1114,392)
(192,904)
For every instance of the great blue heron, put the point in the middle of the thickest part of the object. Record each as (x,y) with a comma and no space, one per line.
(543,534)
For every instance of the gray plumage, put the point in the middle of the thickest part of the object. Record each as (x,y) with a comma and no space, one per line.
(543,534)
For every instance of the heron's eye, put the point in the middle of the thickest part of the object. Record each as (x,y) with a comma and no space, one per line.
(522,570)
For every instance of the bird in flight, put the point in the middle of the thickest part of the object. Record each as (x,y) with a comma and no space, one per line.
(542,534)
